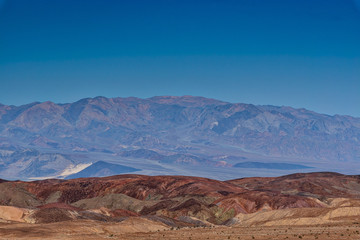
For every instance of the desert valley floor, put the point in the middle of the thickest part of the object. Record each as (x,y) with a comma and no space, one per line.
(298,206)
(95,230)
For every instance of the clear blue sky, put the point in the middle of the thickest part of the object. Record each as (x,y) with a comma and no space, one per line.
(300,53)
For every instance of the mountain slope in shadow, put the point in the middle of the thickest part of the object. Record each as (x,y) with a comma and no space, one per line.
(102,169)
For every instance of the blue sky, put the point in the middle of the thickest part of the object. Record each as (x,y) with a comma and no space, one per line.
(280,52)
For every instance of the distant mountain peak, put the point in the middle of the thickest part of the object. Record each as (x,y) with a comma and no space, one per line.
(186,100)
(172,130)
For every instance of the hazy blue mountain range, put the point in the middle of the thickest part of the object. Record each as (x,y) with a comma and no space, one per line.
(284,166)
(171,135)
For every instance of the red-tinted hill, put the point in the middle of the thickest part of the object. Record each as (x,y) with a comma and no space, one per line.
(173,197)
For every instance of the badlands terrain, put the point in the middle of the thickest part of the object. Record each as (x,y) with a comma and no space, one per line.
(321,205)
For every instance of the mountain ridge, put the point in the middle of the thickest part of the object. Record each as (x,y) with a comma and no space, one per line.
(194,130)
(160,97)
